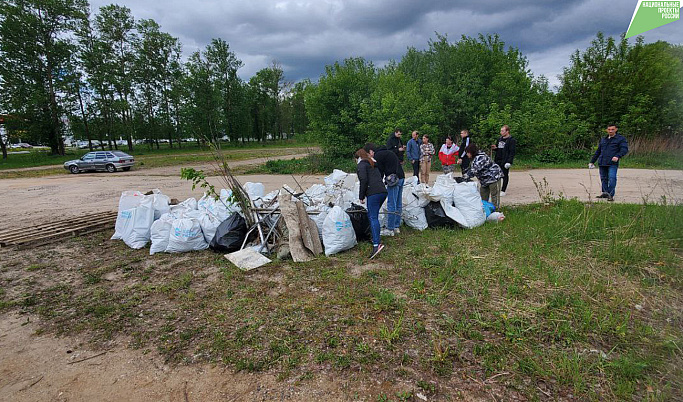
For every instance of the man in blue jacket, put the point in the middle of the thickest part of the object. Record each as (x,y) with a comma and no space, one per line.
(610,150)
(413,153)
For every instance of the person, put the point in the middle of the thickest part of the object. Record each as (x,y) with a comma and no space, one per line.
(413,152)
(372,188)
(394,178)
(395,144)
(426,153)
(448,155)
(610,151)
(505,154)
(487,172)
(464,161)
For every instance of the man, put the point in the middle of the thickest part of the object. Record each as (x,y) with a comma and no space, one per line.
(395,144)
(505,153)
(413,152)
(464,160)
(389,165)
(610,150)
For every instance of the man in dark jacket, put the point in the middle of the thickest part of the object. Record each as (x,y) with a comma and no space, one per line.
(610,150)
(389,165)
(505,153)
(464,160)
(413,152)
(395,144)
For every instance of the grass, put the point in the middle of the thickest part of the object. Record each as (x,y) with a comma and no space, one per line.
(560,301)
(42,157)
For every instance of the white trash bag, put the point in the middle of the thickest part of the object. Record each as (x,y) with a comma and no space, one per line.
(209,223)
(133,225)
(186,235)
(467,200)
(338,234)
(254,190)
(160,233)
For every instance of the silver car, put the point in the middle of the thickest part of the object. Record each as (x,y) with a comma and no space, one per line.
(110,161)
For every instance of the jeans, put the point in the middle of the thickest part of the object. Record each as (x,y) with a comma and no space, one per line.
(608,177)
(375,202)
(416,169)
(492,191)
(395,205)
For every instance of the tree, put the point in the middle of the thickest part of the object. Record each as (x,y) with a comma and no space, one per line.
(35,48)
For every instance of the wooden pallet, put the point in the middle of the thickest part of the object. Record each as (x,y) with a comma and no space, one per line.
(55,231)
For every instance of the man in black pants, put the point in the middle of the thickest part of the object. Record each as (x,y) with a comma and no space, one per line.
(505,153)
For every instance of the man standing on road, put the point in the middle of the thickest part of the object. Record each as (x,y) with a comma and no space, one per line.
(413,152)
(395,145)
(610,150)
(505,153)
(464,160)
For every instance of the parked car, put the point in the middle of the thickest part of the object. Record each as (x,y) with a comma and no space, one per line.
(21,145)
(109,161)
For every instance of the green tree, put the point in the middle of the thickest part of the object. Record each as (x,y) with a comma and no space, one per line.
(35,49)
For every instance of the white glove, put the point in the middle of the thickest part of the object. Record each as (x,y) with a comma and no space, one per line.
(591,166)
(507,166)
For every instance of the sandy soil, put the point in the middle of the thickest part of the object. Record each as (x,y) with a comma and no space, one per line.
(44,368)
(36,200)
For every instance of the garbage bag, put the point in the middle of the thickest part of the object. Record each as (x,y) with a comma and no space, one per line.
(209,223)
(413,214)
(160,202)
(230,234)
(436,216)
(160,233)
(254,190)
(133,225)
(186,235)
(488,207)
(360,222)
(338,233)
(467,201)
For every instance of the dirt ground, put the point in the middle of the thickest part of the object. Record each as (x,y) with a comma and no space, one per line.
(43,368)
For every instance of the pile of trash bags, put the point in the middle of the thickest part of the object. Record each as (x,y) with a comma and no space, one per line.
(218,223)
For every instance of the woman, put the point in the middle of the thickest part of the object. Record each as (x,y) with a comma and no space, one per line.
(372,187)
(448,155)
(426,153)
(487,172)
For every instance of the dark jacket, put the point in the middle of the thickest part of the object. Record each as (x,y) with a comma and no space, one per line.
(609,148)
(370,180)
(464,143)
(505,152)
(388,163)
(483,168)
(393,144)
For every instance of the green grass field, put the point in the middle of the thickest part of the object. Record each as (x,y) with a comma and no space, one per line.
(559,301)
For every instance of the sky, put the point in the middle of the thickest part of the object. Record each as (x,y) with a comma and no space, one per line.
(306,35)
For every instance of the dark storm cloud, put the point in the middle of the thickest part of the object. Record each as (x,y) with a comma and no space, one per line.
(305,35)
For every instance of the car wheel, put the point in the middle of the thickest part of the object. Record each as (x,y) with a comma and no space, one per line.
(73,169)
(127,168)
(111,168)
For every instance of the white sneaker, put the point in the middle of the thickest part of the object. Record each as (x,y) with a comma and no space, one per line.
(502,193)
(397,231)
(386,232)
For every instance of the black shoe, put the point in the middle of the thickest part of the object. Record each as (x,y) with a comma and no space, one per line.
(610,198)
(603,195)
(376,250)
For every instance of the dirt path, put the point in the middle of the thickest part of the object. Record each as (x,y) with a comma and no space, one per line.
(43,368)
(36,200)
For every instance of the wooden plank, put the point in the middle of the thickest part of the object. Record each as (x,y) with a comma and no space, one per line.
(62,221)
(20,235)
(51,240)
(72,231)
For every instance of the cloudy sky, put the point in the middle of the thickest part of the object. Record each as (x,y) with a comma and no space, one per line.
(305,35)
